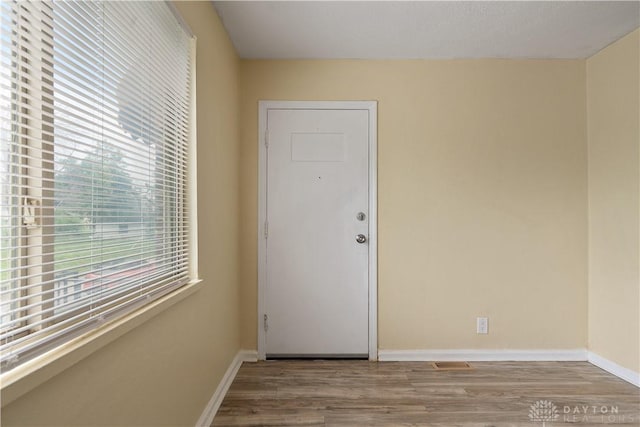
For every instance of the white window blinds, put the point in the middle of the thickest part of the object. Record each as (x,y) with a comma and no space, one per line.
(94,127)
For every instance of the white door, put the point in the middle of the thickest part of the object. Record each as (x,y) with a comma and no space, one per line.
(316,298)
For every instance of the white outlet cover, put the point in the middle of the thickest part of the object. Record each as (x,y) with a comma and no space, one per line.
(482,325)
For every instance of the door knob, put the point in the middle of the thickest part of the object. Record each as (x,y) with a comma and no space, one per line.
(361,238)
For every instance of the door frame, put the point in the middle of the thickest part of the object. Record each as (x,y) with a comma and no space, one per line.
(372,108)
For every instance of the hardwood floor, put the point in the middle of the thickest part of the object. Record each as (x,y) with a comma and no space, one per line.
(362,393)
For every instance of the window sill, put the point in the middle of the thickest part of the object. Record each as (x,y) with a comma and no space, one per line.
(31,374)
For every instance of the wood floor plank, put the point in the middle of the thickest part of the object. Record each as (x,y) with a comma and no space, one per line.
(362,393)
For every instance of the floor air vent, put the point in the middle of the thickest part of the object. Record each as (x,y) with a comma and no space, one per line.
(451,366)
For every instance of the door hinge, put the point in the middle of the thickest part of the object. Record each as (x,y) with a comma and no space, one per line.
(266,138)
(266,323)
(266,229)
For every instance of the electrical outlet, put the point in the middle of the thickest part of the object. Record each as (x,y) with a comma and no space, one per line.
(482,325)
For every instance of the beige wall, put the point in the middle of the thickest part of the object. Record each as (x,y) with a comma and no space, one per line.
(165,371)
(482,195)
(613,111)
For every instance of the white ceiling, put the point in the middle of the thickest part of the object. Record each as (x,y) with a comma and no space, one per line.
(425,29)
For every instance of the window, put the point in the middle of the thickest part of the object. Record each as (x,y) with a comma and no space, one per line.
(95,132)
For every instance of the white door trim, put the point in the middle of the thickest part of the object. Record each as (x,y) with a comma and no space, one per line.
(372,107)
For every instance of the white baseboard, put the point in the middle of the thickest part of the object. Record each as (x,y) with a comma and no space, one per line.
(210,411)
(577,355)
(615,369)
(248,355)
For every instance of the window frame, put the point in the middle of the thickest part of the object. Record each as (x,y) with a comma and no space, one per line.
(25,376)
(30,187)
